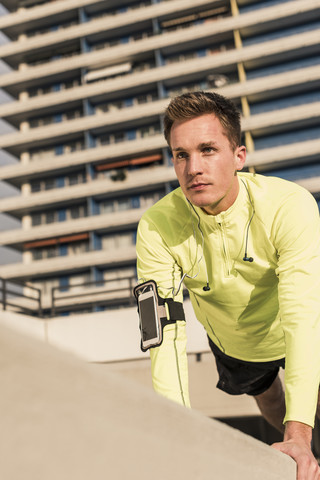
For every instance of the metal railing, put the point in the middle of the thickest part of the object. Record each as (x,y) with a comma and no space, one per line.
(16,296)
(110,293)
(82,297)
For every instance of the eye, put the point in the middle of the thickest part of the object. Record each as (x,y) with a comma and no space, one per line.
(208,150)
(180,155)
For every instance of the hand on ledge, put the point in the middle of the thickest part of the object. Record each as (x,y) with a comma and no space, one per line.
(297,444)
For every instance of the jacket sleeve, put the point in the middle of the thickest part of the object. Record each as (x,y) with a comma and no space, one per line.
(297,239)
(168,361)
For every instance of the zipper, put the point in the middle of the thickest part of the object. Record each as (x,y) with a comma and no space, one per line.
(225,250)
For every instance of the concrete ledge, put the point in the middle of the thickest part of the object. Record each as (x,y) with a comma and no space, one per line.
(64,419)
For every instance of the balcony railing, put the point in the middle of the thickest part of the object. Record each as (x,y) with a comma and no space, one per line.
(20,297)
(93,295)
(82,297)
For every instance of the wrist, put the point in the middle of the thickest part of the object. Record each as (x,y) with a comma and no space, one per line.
(299,432)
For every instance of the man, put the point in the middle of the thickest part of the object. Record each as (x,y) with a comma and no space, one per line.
(247,248)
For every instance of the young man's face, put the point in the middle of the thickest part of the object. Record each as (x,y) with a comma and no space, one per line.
(205,163)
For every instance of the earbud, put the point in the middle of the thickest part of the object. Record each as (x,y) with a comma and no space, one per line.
(247,259)
(206,288)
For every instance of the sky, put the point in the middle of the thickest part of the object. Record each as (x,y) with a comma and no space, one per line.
(7,255)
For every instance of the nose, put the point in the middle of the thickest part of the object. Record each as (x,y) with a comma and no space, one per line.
(195,166)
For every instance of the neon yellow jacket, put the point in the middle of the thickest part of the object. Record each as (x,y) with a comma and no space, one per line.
(259,311)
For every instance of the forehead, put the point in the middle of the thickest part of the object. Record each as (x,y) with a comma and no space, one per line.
(203,129)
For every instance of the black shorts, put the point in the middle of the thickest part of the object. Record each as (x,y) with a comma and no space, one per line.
(237,376)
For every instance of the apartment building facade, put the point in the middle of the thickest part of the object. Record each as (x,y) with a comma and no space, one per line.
(88,85)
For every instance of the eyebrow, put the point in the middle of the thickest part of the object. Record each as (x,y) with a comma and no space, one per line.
(200,146)
(207,144)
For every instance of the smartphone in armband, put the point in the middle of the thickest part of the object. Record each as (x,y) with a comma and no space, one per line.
(150,324)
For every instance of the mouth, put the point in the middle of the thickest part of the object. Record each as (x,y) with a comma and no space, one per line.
(197,186)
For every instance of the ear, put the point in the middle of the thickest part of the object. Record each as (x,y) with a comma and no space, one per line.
(240,157)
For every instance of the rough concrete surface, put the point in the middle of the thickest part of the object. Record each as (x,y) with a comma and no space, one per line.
(64,419)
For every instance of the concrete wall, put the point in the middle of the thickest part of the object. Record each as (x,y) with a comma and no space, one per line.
(64,419)
(112,339)
(112,335)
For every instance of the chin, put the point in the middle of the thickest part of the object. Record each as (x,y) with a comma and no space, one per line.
(200,201)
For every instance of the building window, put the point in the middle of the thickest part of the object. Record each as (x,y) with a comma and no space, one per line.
(50,183)
(77,248)
(35,186)
(36,219)
(50,217)
(107,206)
(77,211)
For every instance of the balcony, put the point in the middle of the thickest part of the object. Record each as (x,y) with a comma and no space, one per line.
(18,111)
(16,22)
(172,42)
(292,154)
(102,223)
(22,205)
(14,52)
(58,132)
(19,173)
(69,264)
(260,124)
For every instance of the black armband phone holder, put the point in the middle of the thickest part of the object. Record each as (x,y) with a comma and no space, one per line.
(155,313)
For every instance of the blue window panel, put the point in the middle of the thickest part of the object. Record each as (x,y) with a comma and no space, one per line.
(62,215)
(83,15)
(96,241)
(162,90)
(54,28)
(202,52)
(58,149)
(89,109)
(63,283)
(125,40)
(128,102)
(257,6)
(97,274)
(91,172)
(135,201)
(63,249)
(85,46)
(134,237)
(60,182)
(90,141)
(58,117)
(167,157)
(131,134)
(93,207)
(98,308)
(122,9)
(56,87)
(159,58)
